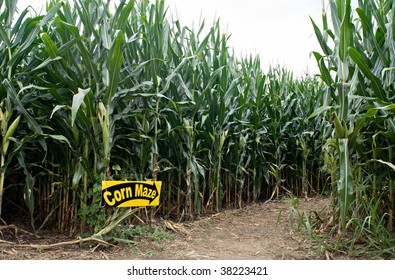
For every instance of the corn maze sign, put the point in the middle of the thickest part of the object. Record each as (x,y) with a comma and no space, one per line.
(130,193)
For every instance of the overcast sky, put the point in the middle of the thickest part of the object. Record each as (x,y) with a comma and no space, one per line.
(279,31)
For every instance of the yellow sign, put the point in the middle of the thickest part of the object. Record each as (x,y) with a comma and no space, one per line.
(130,193)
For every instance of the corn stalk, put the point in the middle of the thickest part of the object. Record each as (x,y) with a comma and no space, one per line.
(131,94)
(358,70)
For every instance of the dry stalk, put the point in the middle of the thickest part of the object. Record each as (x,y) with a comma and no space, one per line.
(55,245)
(17,229)
(178,228)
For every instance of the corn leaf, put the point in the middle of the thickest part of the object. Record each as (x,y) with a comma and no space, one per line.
(362,65)
(77,101)
(114,64)
(32,123)
(346,35)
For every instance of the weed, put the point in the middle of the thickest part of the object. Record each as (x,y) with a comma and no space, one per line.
(40,249)
(145,233)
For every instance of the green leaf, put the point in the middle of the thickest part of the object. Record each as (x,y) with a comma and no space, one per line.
(46,62)
(28,191)
(114,64)
(336,17)
(320,110)
(57,107)
(124,15)
(368,28)
(346,35)
(87,57)
(77,175)
(51,47)
(393,20)
(59,138)
(325,75)
(32,123)
(77,101)
(362,65)
(3,35)
(321,39)
(33,35)
(372,111)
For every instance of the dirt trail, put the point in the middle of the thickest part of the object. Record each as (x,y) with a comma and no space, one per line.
(258,231)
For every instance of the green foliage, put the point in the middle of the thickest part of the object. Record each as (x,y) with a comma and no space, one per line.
(148,232)
(366,236)
(93,214)
(97,90)
(89,92)
(358,73)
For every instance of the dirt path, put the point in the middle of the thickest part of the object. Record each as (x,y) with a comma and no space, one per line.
(259,231)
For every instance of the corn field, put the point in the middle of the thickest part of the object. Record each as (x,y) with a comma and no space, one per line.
(95,91)
(357,66)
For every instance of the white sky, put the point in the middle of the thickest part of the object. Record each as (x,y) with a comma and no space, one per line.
(279,31)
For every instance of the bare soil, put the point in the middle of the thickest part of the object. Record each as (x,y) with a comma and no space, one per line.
(258,231)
